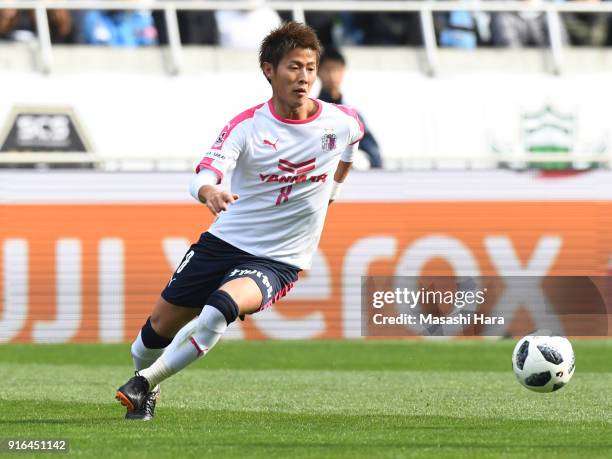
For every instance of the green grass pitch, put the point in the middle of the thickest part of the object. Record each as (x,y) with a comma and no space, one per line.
(287,399)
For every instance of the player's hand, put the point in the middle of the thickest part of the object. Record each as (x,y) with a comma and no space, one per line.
(218,201)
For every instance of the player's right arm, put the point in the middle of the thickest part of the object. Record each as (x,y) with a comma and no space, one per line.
(204,189)
(216,200)
(213,167)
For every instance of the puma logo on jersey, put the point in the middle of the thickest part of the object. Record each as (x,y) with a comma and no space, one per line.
(273,145)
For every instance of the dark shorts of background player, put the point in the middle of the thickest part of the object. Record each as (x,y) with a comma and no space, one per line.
(211,262)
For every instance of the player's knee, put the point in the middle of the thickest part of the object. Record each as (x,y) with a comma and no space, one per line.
(223,303)
(151,338)
(167,319)
(161,325)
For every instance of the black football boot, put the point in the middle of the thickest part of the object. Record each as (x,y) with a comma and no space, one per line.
(147,411)
(133,394)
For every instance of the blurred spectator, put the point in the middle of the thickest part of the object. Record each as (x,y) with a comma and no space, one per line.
(347,32)
(16,25)
(334,29)
(195,27)
(246,29)
(118,28)
(331,73)
(587,29)
(325,24)
(61,26)
(382,29)
(20,25)
(524,28)
(457,30)
(463,29)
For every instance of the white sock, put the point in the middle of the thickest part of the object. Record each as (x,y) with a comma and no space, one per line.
(142,356)
(192,341)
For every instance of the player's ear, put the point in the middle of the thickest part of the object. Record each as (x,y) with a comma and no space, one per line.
(267,69)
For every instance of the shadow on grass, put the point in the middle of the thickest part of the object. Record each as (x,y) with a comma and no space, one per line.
(344,433)
(377,446)
(75,421)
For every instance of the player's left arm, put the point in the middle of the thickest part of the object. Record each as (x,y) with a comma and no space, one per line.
(356,132)
(339,177)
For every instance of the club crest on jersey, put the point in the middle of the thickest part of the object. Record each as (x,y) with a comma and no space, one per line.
(220,139)
(328,141)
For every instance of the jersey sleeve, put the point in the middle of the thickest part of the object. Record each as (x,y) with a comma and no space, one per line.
(223,154)
(356,133)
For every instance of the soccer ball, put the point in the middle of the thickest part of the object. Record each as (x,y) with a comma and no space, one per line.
(543,363)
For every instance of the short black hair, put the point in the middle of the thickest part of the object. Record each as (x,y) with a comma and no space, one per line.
(332,54)
(289,36)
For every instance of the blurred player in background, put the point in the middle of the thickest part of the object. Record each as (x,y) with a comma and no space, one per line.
(291,154)
(331,73)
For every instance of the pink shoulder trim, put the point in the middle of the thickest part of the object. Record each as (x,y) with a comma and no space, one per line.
(235,121)
(352,112)
(223,135)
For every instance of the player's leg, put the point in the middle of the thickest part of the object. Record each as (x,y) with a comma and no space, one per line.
(245,290)
(196,339)
(157,333)
(196,277)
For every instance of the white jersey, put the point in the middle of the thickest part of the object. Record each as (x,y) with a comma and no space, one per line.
(284,171)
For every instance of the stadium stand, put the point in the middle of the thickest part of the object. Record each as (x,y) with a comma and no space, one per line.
(423,52)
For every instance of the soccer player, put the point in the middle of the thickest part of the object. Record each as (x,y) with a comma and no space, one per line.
(291,155)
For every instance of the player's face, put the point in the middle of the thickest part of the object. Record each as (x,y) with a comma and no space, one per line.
(331,74)
(294,76)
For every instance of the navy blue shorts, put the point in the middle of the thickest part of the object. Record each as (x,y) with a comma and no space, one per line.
(211,262)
